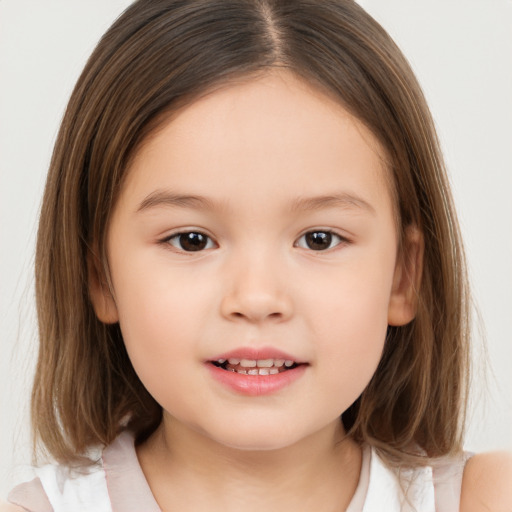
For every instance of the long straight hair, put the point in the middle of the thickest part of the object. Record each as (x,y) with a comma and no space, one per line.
(160,55)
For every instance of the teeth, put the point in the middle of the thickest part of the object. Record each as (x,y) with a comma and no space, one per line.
(261,363)
(256,366)
(258,371)
(248,363)
(265,363)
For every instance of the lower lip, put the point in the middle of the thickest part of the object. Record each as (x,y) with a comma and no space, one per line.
(256,385)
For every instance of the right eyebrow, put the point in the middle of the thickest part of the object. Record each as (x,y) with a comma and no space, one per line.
(342,200)
(164,198)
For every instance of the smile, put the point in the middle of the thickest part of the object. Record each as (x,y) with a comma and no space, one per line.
(255,366)
(256,372)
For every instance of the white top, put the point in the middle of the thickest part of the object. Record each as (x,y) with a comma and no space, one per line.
(117,483)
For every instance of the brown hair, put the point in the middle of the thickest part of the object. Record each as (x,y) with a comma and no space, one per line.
(160,55)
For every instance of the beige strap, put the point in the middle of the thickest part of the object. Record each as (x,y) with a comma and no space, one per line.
(448,473)
(31,497)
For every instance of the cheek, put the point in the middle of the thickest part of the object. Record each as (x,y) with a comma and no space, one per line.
(153,296)
(355,297)
(158,342)
(156,317)
(351,324)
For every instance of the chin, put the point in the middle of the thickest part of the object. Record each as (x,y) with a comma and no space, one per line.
(252,438)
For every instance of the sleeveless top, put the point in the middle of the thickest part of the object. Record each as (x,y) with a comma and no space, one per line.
(117,483)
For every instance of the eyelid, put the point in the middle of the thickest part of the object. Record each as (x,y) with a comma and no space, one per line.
(341,239)
(167,240)
(211,243)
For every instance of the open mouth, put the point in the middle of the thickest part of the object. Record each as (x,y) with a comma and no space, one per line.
(255,366)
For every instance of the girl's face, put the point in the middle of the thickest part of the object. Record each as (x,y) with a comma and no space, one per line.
(255,233)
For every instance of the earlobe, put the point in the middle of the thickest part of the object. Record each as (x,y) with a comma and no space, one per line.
(100,295)
(403,302)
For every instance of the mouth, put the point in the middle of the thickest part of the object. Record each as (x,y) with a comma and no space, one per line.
(256,366)
(256,372)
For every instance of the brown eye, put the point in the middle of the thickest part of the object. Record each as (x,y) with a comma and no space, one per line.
(319,240)
(192,241)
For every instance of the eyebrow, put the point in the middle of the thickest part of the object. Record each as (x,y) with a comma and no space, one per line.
(164,198)
(169,199)
(343,200)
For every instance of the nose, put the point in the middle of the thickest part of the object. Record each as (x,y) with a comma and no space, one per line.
(256,291)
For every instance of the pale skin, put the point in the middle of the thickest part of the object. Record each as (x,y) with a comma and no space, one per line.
(255,168)
(263,155)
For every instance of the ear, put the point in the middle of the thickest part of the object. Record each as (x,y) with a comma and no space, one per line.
(403,302)
(102,300)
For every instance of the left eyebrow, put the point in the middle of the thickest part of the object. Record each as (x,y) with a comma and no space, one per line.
(343,200)
(164,198)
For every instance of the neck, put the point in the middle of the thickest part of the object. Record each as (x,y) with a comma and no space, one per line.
(186,469)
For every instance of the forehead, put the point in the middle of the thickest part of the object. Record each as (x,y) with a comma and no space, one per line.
(273,126)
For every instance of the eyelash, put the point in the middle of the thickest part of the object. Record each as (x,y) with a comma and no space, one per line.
(178,237)
(203,242)
(327,235)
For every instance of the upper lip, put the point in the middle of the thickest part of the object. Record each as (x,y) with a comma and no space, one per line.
(253,353)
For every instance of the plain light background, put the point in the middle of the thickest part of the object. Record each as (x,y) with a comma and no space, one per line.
(461,51)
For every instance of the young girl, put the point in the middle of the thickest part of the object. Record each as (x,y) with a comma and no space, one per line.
(250,282)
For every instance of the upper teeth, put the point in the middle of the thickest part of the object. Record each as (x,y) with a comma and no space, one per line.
(259,363)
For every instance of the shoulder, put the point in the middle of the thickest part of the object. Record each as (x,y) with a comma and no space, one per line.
(28,496)
(487,483)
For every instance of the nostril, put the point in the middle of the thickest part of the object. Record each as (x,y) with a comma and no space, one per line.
(255,307)
(276,315)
